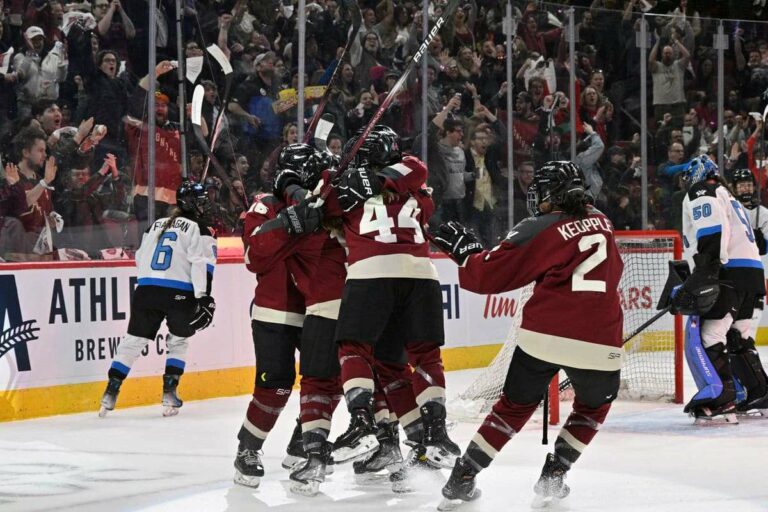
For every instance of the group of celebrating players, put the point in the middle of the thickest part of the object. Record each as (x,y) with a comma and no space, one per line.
(344,275)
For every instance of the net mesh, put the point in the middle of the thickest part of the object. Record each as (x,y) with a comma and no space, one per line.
(649,365)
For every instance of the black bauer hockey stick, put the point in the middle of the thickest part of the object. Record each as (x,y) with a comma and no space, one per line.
(326,188)
(357,21)
(567,382)
(391,95)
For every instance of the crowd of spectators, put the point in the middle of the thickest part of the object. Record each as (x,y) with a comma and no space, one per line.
(74,84)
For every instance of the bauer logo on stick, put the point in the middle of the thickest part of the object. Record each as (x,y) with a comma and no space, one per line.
(15,331)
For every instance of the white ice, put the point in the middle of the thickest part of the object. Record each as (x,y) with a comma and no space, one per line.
(647,457)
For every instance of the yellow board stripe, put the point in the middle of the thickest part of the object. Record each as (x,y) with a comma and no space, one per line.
(73,398)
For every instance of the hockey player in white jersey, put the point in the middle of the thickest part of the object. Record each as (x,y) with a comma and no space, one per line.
(719,295)
(175,263)
(743,186)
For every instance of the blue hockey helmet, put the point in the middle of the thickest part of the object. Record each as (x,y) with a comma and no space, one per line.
(699,169)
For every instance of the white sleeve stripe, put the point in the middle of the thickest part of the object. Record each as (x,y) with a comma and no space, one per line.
(401,168)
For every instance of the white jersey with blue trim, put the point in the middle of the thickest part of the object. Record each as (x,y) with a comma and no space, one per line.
(182,257)
(709,210)
(717,224)
(763,220)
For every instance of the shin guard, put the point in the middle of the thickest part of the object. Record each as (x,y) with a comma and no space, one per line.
(579,429)
(504,421)
(263,411)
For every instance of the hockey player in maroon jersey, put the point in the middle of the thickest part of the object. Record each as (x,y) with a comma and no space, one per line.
(277,316)
(568,249)
(392,299)
(316,261)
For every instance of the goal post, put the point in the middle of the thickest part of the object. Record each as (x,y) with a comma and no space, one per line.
(653,362)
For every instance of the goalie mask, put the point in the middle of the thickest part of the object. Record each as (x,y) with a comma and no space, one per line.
(743,183)
(192,200)
(294,156)
(553,182)
(699,169)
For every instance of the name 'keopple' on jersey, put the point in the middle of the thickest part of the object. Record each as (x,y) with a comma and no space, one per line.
(577,268)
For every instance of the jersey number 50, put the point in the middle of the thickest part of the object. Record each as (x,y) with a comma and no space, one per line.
(161,259)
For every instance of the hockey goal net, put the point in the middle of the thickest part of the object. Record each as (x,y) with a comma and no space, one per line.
(653,359)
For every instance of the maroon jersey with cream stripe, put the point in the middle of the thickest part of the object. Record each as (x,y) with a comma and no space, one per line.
(385,238)
(317,262)
(276,298)
(574,316)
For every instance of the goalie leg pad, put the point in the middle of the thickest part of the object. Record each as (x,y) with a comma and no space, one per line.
(275,346)
(746,365)
(709,367)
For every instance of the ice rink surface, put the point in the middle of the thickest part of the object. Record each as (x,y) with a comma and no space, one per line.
(647,457)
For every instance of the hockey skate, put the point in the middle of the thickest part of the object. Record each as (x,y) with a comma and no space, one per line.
(415,463)
(441,451)
(307,476)
(551,486)
(109,398)
(753,409)
(387,457)
(171,401)
(359,440)
(714,416)
(248,467)
(294,452)
(460,487)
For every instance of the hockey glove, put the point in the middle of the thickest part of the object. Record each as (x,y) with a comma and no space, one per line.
(699,292)
(457,241)
(301,218)
(203,315)
(760,241)
(283,179)
(356,186)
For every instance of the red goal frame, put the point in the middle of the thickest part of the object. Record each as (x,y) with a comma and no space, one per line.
(677,250)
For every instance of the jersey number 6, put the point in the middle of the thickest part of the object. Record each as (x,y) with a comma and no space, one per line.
(161,259)
(578,283)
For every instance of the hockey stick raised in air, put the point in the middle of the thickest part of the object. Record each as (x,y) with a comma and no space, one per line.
(421,52)
(226,67)
(197,129)
(567,382)
(357,21)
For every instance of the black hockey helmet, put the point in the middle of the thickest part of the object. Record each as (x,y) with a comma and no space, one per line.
(294,156)
(314,166)
(381,147)
(741,176)
(553,182)
(192,200)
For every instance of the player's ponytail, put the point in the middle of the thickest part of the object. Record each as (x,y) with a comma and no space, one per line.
(175,213)
(574,204)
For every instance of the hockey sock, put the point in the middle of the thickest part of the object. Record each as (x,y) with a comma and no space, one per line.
(396,382)
(579,429)
(263,411)
(176,357)
(317,405)
(381,410)
(127,352)
(428,373)
(504,421)
(356,361)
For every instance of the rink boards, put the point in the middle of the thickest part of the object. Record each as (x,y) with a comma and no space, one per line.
(62,322)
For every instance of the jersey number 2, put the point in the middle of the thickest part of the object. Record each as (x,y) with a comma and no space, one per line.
(578,283)
(161,259)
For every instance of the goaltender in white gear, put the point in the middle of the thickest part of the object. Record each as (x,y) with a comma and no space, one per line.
(718,232)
